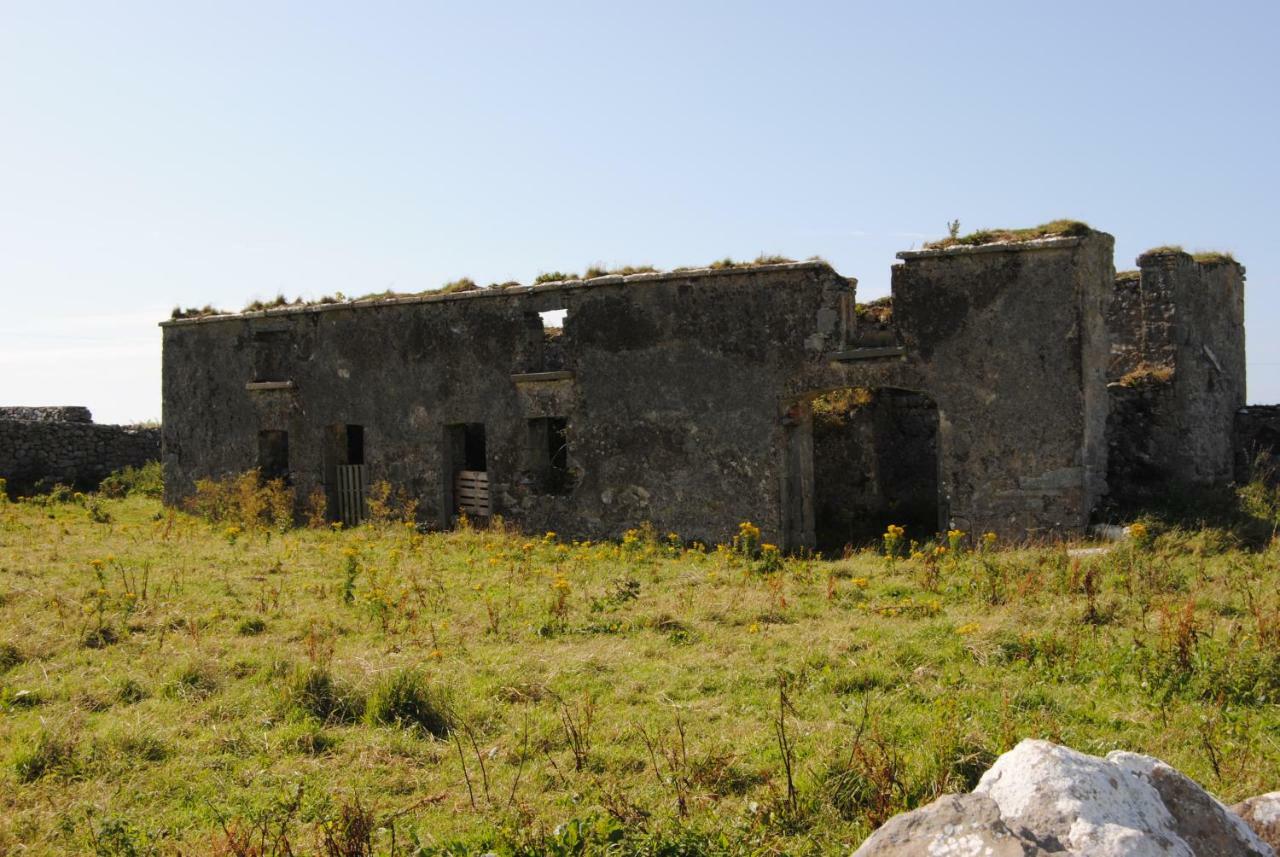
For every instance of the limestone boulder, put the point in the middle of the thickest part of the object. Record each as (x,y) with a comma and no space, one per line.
(1071,801)
(1262,814)
(1044,799)
(954,825)
(1208,827)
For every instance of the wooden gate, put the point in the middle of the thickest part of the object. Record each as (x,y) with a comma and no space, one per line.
(471,493)
(351,486)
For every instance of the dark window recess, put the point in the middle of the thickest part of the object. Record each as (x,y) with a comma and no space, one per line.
(273,454)
(271,355)
(355,444)
(549,454)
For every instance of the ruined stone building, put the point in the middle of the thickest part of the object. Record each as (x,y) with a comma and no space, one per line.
(989,394)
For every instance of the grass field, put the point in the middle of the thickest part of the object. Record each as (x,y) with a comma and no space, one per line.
(168,685)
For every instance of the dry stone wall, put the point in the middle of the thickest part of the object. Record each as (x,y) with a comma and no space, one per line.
(45,446)
(50,414)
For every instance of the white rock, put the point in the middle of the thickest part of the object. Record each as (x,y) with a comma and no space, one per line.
(1067,800)
(1262,814)
(1199,819)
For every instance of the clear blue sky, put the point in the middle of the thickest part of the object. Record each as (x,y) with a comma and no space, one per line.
(153,154)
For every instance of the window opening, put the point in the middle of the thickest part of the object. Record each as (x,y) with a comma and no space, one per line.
(355,444)
(549,454)
(271,355)
(273,454)
(545,345)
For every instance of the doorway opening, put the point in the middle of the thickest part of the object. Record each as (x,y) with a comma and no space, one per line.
(875,463)
(467,473)
(345,477)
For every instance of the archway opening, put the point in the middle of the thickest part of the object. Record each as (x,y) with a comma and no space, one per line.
(875,463)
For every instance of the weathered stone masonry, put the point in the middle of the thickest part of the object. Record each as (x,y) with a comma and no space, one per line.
(683,398)
(1176,374)
(44,446)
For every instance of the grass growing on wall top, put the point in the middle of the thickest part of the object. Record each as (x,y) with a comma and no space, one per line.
(1204,257)
(1052,229)
(1214,257)
(165,680)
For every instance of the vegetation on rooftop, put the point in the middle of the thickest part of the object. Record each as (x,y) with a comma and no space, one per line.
(1128,276)
(466,284)
(463,284)
(1214,257)
(762,259)
(1052,229)
(553,277)
(195,312)
(1164,250)
(878,311)
(1204,257)
(173,685)
(278,301)
(598,270)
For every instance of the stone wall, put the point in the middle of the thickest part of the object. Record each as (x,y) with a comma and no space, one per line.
(49,414)
(685,395)
(40,447)
(1176,373)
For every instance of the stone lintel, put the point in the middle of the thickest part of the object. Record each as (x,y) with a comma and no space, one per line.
(874,353)
(534,377)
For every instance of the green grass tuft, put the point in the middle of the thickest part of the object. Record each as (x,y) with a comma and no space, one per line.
(10,657)
(313,692)
(1214,257)
(195,679)
(465,284)
(41,755)
(405,698)
(196,312)
(553,277)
